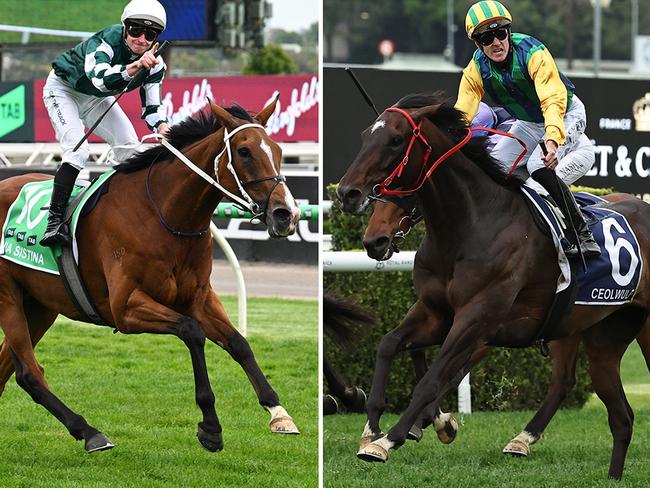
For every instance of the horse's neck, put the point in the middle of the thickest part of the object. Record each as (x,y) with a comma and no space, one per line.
(186,199)
(459,196)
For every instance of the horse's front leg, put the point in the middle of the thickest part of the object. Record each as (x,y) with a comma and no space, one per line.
(444,424)
(466,337)
(420,328)
(564,353)
(143,314)
(218,328)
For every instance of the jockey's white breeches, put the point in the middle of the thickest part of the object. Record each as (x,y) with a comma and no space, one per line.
(70,111)
(507,149)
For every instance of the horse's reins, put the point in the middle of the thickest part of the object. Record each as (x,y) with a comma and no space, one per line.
(381,189)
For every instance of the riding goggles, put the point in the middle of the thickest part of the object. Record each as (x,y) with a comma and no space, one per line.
(487,38)
(136,31)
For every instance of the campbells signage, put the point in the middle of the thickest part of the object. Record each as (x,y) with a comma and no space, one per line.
(295,117)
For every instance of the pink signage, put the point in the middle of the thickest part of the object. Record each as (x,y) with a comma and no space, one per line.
(295,117)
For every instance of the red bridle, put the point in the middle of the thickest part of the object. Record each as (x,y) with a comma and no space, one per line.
(382,189)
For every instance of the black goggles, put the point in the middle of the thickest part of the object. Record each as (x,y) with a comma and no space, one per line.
(137,31)
(487,38)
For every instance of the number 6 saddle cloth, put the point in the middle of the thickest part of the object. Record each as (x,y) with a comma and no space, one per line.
(613,277)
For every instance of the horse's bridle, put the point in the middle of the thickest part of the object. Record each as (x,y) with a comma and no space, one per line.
(259,214)
(252,206)
(247,203)
(381,189)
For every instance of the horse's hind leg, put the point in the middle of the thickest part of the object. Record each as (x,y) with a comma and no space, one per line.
(39,320)
(644,341)
(564,353)
(217,327)
(29,375)
(353,397)
(605,344)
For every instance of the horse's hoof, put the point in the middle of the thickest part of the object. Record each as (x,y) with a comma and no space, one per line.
(330,405)
(354,399)
(415,433)
(373,453)
(98,442)
(367,439)
(211,442)
(516,448)
(447,431)
(283,425)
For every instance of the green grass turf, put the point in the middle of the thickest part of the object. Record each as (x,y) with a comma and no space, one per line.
(139,391)
(574,452)
(71,15)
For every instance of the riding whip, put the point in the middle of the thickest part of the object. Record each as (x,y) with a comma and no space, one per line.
(568,215)
(136,78)
(362,90)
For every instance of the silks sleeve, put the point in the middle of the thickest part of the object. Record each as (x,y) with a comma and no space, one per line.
(551,92)
(470,91)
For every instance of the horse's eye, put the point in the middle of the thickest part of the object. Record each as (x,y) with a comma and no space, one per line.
(395,141)
(244,152)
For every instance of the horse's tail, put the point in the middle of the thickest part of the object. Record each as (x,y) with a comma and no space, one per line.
(644,341)
(342,319)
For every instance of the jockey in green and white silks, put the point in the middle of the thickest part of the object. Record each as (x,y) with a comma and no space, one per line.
(82,85)
(520,75)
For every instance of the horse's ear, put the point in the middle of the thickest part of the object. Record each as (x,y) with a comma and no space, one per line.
(420,113)
(267,111)
(223,116)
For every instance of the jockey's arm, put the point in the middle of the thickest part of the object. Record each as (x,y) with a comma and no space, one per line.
(551,92)
(470,91)
(105,76)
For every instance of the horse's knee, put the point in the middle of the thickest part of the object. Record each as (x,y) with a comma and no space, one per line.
(28,382)
(190,332)
(388,346)
(239,348)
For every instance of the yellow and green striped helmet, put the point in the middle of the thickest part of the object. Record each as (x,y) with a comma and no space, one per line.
(486,15)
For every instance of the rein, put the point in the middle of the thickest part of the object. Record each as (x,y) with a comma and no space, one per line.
(381,189)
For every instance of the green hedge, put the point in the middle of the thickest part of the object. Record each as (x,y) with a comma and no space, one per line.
(507,379)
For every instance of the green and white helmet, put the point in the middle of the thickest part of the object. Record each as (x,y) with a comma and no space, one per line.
(149,13)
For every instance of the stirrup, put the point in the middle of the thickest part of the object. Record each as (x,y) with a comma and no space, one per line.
(59,235)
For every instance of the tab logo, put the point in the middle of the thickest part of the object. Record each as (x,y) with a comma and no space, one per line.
(10,232)
(31,240)
(12,110)
(20,236)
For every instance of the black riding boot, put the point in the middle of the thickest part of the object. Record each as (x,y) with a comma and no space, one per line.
(564,199)
(57,232)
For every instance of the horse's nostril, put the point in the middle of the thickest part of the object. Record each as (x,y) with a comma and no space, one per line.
(351,197)
(376,248)
(282,216)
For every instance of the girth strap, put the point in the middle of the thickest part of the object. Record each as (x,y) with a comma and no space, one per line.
(71,277)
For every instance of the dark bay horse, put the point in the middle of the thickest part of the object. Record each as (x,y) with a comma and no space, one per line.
(484,270)
(145,255)
(391,219)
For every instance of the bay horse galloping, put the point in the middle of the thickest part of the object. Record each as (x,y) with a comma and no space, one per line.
(484,269)
(145,255)
(392,218)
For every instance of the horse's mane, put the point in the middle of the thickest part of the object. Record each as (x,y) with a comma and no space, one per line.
(190,130)
(453,122)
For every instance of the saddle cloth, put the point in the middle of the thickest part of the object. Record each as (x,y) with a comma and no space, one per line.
(613,277)
(26,222)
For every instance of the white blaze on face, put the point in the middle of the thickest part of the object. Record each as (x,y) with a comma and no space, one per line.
(380,124)
(267,150)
